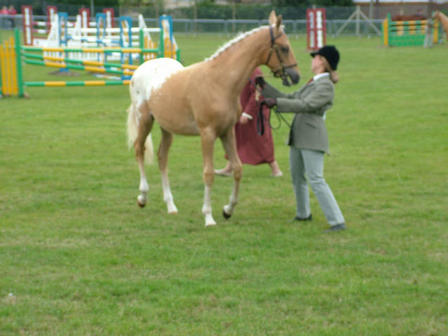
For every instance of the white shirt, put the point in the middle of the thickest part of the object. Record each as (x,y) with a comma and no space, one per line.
(316,77)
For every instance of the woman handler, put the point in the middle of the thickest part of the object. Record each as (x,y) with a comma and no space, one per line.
(308,139)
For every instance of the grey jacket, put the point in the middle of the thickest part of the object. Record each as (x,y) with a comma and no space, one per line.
(308,129)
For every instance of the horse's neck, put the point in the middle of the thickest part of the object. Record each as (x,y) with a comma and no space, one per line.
(442,17)
(238,63)
(444,21)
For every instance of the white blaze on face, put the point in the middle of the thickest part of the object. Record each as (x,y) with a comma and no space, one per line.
(150,76)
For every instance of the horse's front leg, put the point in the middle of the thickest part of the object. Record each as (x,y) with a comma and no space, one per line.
(167,139)
(208,138)
(229,144)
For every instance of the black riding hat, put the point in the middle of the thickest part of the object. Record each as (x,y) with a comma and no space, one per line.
(330,53)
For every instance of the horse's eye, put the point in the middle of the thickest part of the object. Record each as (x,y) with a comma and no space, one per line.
(285,50)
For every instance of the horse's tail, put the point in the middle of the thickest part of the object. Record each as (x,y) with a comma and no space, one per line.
(133,120)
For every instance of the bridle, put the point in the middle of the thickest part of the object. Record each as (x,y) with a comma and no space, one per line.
(281,71)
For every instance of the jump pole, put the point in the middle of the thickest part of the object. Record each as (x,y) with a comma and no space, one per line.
(78,83)
(91,50)
(83,62)
(21,92)
(80,67)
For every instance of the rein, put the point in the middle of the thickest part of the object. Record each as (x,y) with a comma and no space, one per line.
(260,119)
(260,115)
(280,72)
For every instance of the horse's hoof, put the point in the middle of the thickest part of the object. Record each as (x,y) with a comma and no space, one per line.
(226,215)
(141,201)
(172,210)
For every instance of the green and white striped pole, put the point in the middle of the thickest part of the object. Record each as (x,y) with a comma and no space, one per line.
(18,48)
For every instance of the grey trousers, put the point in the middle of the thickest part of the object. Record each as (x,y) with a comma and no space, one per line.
(309,165)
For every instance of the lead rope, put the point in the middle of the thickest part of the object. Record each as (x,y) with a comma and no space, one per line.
(280,118)
(260,119)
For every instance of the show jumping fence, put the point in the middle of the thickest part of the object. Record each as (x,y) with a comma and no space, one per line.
(316,28)
(12,54)
(410,33)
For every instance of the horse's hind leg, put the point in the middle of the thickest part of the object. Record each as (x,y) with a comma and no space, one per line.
(165,144)
(229,144)
(144,129)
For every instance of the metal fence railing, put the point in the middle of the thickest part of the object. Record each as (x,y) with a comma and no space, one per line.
(293,27)
(229,27)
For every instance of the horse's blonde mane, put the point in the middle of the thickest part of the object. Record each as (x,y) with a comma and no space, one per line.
(234,41)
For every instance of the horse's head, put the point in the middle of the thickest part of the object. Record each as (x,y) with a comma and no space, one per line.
(280,58)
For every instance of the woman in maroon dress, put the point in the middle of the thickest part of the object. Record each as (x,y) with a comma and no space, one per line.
(253,149)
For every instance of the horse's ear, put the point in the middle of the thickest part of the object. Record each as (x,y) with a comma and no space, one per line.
(272,18)
(279,22)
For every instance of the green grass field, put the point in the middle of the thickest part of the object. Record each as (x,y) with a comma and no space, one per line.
(78,257)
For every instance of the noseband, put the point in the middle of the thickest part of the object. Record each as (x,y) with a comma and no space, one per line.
(281,71)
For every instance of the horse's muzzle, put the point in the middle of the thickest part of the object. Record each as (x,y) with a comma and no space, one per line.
(293,76)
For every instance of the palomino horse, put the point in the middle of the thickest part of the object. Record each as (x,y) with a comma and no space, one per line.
(203,99)
(443,19)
